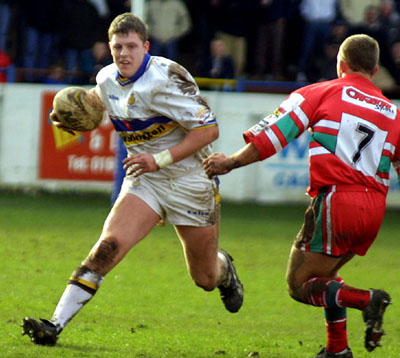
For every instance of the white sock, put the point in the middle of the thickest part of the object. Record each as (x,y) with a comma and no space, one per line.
(78,292)
(223,258)
(225,279)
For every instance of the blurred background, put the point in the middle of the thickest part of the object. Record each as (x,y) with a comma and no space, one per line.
(65,41)
(246,56)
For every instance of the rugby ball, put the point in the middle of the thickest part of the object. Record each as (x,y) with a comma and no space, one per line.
(78,109)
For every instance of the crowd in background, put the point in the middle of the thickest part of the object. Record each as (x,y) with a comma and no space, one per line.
(65,41)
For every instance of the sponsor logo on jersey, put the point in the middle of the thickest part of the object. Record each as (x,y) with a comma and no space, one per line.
(279,111)
(153,132)
(259,127)
(359,98)
(137,124)
(267,121)
(114,97)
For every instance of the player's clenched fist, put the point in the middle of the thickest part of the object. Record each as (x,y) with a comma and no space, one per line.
(217,163)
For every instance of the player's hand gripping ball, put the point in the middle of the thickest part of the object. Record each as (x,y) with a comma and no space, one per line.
(77,109)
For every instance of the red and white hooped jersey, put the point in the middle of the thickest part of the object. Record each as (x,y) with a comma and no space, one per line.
(355,132)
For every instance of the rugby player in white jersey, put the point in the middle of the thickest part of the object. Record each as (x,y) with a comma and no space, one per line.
(167,127)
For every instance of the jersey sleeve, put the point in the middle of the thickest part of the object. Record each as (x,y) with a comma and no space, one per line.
(275,131)
(178,98)
(101,78)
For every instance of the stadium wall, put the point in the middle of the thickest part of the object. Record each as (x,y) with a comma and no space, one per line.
(282,178)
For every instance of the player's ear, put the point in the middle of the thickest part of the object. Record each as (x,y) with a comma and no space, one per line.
(147,46)
(343,68)
(375,70)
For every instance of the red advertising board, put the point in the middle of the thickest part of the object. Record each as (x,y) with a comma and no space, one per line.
(85,156)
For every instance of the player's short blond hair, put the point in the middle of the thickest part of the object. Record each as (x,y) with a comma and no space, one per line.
(128,22)
(360,52)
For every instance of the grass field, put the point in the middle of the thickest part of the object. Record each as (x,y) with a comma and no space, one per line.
(148,307)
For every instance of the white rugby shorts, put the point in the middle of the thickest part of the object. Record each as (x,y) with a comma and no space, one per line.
(191,200)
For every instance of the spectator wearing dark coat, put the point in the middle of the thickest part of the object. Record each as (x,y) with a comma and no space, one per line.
(233,29)
(373,26)
(80,26)
(218,64)
(5,16)
(40,35)
(270,17)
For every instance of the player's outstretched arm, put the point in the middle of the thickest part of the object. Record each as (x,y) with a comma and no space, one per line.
(219,163)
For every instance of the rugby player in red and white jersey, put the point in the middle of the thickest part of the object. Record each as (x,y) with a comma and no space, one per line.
(355,136)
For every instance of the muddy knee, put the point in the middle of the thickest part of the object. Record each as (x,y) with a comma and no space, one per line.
(101,258)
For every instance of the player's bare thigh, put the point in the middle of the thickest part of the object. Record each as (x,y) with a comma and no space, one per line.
(200,245)
(128,222)
(304,265)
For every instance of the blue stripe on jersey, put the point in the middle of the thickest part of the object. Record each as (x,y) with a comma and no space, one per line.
(123,81)
(134,125)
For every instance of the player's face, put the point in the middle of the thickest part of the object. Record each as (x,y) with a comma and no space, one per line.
(128,52)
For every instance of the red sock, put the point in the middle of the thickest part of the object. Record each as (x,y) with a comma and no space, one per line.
(336,327)
(337,336)
(334,295)
(352,297)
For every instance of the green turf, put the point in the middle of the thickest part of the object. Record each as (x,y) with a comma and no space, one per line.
(148,307)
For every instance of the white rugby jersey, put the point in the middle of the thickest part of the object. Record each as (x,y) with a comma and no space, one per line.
(154,109)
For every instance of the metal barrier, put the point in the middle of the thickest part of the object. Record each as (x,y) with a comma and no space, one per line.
(243,85)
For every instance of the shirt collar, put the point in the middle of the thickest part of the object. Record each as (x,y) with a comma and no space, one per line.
(123,81)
